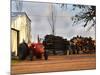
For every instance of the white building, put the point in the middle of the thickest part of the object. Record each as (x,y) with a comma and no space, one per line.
(20,29)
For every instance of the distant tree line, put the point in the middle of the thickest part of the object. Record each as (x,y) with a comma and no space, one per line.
(76,45)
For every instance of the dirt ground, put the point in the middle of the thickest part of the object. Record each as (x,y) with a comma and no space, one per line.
(55,63)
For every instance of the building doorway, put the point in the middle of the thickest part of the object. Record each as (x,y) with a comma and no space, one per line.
(14,41)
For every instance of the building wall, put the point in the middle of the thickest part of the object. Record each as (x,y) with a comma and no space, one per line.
(23,24)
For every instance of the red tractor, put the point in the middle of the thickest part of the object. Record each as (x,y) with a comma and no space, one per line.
(37,50)
(32,50)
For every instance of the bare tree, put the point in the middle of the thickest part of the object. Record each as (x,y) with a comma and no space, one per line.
(52,18)
(19,5)
(87,14)
(52,22)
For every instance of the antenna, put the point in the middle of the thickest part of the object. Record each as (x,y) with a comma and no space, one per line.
(19,5)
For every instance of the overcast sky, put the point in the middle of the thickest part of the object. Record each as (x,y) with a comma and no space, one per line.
(39,13)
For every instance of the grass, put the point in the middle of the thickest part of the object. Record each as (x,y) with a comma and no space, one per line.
(14,61)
